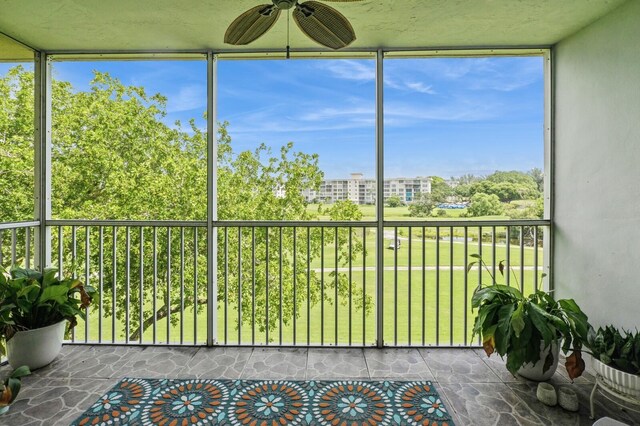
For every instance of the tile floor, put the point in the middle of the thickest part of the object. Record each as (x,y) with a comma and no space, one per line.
(478,391)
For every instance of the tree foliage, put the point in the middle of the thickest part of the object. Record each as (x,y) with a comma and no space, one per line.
(440,189)
(422,205)
(114,157)
(16,146)
(394,201)
(485,205)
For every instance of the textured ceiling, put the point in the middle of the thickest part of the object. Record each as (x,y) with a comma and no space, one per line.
(12,51)
(187,24)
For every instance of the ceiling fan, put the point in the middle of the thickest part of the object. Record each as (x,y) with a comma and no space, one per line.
(321,23)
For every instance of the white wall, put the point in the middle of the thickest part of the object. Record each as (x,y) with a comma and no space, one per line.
(597,168)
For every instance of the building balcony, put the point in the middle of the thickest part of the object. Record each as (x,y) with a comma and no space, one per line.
(374,299)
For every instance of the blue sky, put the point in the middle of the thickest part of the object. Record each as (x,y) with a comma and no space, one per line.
(443,116)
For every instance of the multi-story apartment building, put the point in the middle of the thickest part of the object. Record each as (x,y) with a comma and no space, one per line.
(363,191)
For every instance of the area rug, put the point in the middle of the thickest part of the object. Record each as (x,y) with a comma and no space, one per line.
(268,403)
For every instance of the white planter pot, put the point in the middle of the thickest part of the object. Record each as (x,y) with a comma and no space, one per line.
(624,383)
(534,371)
(36,348)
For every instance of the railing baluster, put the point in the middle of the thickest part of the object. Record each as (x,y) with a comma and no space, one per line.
(395,285)
(195,286)
(87,267)
(239,285)
(127,280)
(226,285)
(409,264)
(280,286)
(335,285)
(74,265)
(295,282)
(266,285)
(535,258)
(13,246)
(100,279)
(350,287)
(437,285)
(1,248)
(364,285)
(182,285)
(466,281)
(308,286)
(155,284)
(60,252)
(322,286)
(27,247)
(424,285)
(168,301)
(494,243)
(141,288)
(253,285)
(522,259)
(451,285)
(507,267)
(114,276)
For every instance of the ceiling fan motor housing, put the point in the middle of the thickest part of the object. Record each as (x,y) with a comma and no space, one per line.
(284,4)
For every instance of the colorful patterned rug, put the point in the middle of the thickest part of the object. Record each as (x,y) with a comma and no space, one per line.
(268,403)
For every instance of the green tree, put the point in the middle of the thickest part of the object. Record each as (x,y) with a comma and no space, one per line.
(394,201)
(485,205)
(538,177)
(113,157)
(440,189)
(422,206)
(507,186)
(16,146)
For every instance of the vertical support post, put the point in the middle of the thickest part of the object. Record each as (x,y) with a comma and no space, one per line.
(549,164)
(212,206)
(42,169)
(380,198)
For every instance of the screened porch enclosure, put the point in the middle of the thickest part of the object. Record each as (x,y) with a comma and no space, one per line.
(380,281)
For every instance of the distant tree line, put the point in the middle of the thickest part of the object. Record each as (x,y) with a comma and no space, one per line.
(503,193)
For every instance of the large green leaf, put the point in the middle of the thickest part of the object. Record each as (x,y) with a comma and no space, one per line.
(540,322)
(56,293)
(503,331)
(517,320)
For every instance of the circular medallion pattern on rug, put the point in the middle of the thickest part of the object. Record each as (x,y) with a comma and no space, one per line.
(269,402)
(118,404)
(192,402)
(419,404)
(352,402)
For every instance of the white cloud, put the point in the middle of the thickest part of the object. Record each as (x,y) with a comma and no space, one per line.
(351,70)
(404,113)
(421,88)
(338,113)
(188,98)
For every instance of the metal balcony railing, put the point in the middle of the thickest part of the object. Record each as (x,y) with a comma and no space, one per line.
(17,243)
(291,283)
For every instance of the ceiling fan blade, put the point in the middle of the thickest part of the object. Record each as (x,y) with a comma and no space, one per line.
(252,24)
(324,24)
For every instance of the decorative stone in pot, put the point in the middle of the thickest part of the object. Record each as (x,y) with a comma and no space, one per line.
(36,348)
(535,371)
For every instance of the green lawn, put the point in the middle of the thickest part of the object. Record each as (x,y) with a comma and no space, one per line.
(430,305)
(402,213)
(440,317)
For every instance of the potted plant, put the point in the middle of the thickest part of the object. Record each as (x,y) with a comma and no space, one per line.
(616,358)
(11,387)
(528,330)
(34,310)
